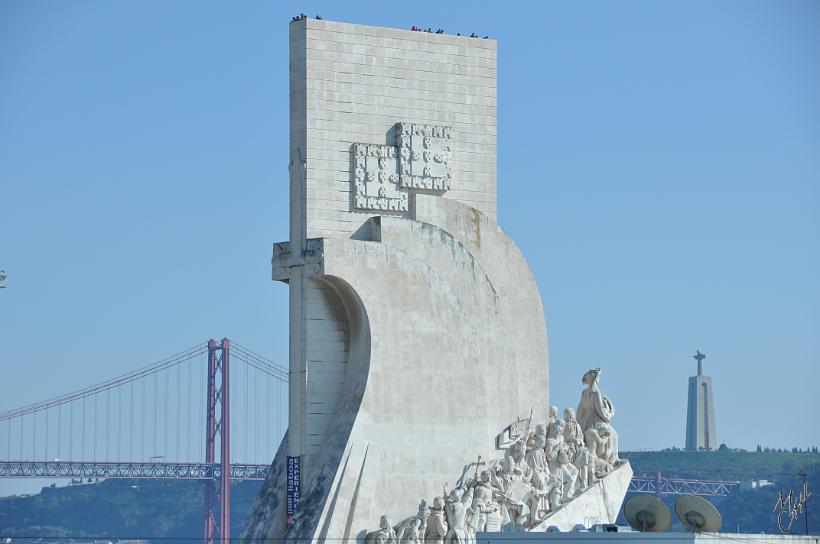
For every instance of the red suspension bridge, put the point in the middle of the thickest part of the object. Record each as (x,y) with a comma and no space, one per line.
(168,420)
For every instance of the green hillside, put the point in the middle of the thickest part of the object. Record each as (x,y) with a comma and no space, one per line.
(723,465)
(166,509)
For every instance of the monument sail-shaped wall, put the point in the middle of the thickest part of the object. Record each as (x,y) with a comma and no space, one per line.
(416,328)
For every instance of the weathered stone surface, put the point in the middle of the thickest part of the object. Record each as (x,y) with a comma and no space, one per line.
(599,503)
(353,88)
(435,376)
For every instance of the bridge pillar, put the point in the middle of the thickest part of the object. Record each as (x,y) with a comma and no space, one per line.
(218,363)
(225,457)
(210,443)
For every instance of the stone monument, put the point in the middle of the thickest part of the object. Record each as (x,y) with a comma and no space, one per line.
(416,328)
(418,347)
(556,474)
(700,410)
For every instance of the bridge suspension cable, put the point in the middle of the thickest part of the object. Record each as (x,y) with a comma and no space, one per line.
(106,385)
(154,414)
(260,362)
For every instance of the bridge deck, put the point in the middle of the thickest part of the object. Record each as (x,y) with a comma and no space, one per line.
(205,471)
(167,471)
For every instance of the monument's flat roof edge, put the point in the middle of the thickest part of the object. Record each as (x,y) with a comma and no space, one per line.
(380,31)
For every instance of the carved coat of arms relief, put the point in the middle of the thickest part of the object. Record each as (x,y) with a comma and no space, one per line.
(383,174)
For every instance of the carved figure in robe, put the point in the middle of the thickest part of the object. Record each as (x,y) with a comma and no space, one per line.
(456,508)
(553,418)
(436,523)
(541,430)
(545,496)
(594,406)
(384,535)
(536,456)
(597,447)
(517,491)
(476,519)
(412,530)
(585,463)
(489,490)
(516,458)
(610,442)
(573,434)
(554,495)
(537,460)
(555,443)
(517,450)
(423,514)
(567,475)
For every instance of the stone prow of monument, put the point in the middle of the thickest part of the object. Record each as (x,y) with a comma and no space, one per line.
(447,337)
(417,331)
(600,503)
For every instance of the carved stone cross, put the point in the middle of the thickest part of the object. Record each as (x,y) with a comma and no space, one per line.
(310,262)
(699,357)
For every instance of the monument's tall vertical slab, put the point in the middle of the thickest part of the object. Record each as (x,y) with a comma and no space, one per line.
(352,84)
(416,328)
(700,411)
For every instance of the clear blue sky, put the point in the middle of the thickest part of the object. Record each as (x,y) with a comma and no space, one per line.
(659,165)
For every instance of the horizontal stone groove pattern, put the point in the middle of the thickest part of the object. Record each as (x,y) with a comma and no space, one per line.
(387,66)
(389,95)
(387,50)
(326,354)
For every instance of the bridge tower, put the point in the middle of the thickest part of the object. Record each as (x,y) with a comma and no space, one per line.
(218,366)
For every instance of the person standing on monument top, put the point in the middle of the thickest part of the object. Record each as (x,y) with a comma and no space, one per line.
(594,407)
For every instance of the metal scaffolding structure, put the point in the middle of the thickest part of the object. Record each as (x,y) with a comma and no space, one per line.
(659,485)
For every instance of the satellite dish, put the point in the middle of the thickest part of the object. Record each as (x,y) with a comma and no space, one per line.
(697,514)
(646,513)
